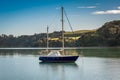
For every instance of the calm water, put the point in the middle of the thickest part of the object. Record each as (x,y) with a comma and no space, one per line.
(93,64)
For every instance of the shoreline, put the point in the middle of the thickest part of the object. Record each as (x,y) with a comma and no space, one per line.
(52,48)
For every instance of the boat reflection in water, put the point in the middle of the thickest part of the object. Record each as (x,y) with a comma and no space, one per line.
(61,71)
(59,64)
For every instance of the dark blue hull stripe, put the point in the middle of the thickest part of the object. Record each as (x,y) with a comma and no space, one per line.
(58,59)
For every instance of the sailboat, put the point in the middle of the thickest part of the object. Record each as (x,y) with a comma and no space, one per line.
(55,56)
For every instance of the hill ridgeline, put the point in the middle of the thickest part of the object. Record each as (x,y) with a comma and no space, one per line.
(107,35)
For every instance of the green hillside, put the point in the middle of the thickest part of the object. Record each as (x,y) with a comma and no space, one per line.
(79,32)
(107,35)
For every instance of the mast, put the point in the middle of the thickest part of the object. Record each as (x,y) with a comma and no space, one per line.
(62,12)
(47,38)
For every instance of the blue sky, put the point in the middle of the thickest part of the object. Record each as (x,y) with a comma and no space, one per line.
(27,17)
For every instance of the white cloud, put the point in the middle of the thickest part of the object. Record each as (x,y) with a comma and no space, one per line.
(89,7)
(107,12)
(118,7)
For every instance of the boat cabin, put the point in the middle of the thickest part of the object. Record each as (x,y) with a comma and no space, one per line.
(54,53)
